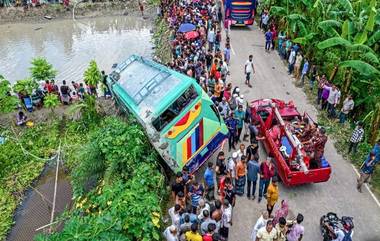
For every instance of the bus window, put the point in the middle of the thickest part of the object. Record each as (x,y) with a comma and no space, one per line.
(175,109)
(215,111)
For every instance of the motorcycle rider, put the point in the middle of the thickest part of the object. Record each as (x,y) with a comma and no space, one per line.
(341,234)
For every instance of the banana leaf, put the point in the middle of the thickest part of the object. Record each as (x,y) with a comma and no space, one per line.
(360,66)
(332,42)
(374,38)
(346,4)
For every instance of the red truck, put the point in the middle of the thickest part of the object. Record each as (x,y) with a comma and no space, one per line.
(276,118)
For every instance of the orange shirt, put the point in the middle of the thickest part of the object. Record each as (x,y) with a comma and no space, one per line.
(218,89)
(240,169)
(213,70)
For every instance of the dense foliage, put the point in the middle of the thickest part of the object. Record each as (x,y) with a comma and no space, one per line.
(22,158)
(42,70)
(8,102)
(125,205)
(25,86)
(92,75)
(342,38)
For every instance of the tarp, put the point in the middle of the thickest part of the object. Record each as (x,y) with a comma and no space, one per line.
(186,27)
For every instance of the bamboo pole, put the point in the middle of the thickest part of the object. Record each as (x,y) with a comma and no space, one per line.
(55,185)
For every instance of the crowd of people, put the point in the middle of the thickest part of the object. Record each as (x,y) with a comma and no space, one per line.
(203,209)
(66,94)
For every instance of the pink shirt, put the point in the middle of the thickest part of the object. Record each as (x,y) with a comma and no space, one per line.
(295,232)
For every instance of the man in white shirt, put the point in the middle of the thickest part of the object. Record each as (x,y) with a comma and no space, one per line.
(231,167)
(291,61)
(248,70)
(348,106)
(260,223)
(211,39)
(332,101)
(226,219)
(174,215)
(170,233)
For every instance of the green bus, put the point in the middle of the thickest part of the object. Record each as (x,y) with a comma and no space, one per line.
(180,120)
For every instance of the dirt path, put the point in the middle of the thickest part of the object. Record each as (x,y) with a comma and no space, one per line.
(338,194)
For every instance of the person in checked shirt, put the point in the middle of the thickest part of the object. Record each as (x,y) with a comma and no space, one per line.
(356,137)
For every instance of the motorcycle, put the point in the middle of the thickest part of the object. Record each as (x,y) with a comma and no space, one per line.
(330,223)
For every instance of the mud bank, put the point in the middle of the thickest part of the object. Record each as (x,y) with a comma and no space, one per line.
(58,11)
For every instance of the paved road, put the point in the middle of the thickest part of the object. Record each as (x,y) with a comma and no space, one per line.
(338,194)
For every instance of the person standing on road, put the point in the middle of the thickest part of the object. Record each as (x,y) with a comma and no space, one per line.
(220,168)
(232,125)
(253,170)
(272,195)
(178,186)
(211,39)
(239,115)
(196,192)
(141,6)
(296,232)
(281,229)
(227,54)
(226,221)
(268,40)
(348,106)
(332,100)
(260,223)
(193,235)
(291,61)
(209,181)
(241,170)
(356,137)
(231,167)
(297,66)
(367,170)
(305,69)
(266,173)
(267,233)
(249,69)
(282,212)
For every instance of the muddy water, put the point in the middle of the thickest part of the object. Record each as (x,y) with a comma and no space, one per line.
(70,45)
(36,209)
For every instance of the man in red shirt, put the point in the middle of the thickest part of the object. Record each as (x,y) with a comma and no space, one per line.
(266,173)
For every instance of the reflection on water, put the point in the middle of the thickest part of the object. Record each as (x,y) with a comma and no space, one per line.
(70,45)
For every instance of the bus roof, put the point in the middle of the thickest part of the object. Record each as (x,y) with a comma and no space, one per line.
(149,85)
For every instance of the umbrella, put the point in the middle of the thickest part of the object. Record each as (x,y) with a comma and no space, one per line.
(191,35)
(186,27)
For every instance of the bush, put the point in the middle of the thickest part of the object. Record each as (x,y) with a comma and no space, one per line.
(125,205)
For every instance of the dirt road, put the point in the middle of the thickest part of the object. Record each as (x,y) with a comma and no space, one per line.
(338,194)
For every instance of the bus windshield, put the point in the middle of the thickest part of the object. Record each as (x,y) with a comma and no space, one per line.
(175,109)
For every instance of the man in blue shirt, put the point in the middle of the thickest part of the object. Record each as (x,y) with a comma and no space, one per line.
(368,166)
(253,169)
(268,40)
(232,125)
(209,181)
(305,69)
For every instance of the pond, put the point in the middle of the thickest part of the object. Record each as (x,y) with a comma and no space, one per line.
(70,44)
